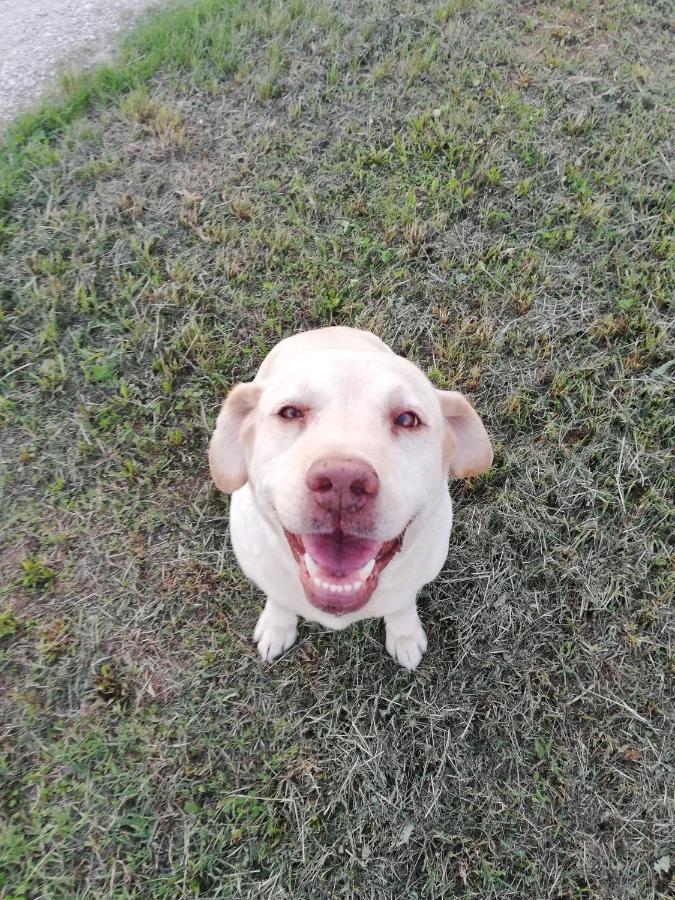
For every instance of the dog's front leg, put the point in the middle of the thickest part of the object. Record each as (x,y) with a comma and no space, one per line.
(406,641)
(276,630)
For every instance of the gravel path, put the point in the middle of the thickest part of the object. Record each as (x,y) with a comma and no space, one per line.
(39,38)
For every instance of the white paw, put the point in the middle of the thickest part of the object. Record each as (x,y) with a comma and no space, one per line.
(273,637)
(407,649)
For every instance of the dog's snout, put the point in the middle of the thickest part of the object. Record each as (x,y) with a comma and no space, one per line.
(342,484)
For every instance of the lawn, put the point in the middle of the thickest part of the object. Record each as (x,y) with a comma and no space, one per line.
(487,186)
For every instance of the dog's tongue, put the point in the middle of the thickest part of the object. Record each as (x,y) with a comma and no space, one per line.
(338,552)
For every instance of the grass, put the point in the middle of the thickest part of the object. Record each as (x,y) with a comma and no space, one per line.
(485,185)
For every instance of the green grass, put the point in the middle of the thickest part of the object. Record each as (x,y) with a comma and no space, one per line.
(487,187)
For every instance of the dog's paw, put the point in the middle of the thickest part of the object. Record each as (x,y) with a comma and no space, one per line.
(273,638)
(407,649)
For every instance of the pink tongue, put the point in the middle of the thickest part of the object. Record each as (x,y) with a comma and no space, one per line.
(338,552)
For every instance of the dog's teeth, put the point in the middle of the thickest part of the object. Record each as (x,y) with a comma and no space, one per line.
(311,566)
(313,570)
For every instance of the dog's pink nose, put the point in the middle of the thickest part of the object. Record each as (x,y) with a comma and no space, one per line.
(342,484)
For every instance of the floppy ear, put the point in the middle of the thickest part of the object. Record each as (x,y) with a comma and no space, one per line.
(234,432)
(466,446)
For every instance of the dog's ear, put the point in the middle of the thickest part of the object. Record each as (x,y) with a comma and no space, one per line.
(466,446)
(233,434)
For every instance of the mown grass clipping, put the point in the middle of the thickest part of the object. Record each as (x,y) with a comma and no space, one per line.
(488,187)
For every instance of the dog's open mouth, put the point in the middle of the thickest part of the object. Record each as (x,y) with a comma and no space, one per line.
(339,571)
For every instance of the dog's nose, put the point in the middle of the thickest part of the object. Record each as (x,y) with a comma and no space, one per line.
(342,484)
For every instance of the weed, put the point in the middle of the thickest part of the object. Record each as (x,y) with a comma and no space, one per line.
(35,575)
(8,622)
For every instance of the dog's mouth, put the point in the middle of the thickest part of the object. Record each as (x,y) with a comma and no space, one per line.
(339,571)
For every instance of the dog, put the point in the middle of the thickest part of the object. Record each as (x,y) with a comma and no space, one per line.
(337,456)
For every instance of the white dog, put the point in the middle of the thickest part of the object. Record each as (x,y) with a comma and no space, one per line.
(337,455)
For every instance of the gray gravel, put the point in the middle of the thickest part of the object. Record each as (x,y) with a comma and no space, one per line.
(41,38)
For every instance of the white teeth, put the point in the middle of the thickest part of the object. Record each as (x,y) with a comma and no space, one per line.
(311,566)
(365,571)
(335,588)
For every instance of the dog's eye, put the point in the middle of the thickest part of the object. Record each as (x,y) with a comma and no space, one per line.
(291,412)
(407,420)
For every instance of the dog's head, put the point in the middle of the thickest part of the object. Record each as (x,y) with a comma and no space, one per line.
(343,444)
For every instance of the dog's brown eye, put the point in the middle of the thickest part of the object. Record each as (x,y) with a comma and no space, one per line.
(407,420)
(291,412)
